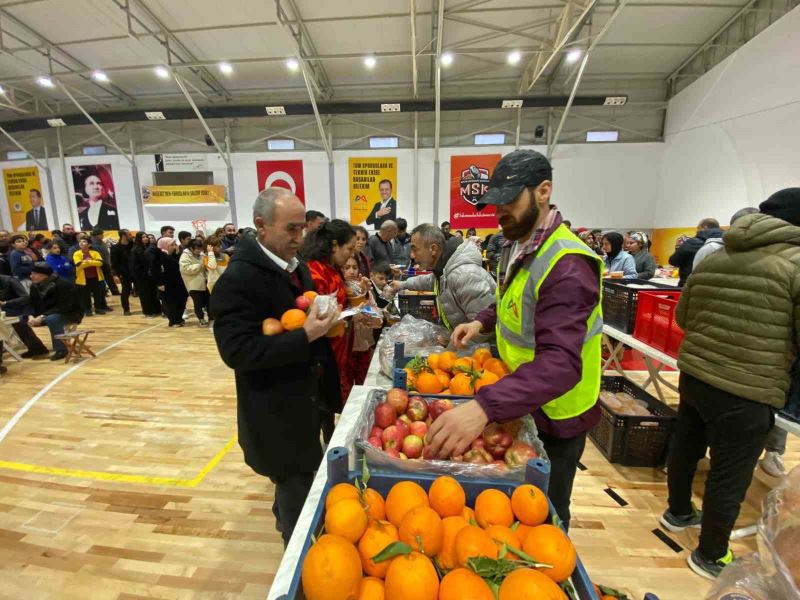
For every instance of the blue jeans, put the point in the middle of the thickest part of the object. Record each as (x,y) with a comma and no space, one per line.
(56,323)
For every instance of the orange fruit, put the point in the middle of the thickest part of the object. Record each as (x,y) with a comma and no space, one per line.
(493,507)
(347,518)
(371,588)
(473,541)
(410,379)
(480,355)
(293,319)
(341,491)
(445,392)
(331,569)
(530,505)
(447,497)
(486,378)
(433,361)
(378,535)
(447,360)
(376,507)
(522,531)
(422,530)
(464,363)
(469,516)
(496,366)
(402,498)
(527,584)
(428,383)
(447,558)
(548,544)
(443,378)
(463,584)
(412,577)
(503,535)
(310,295)
(461,385)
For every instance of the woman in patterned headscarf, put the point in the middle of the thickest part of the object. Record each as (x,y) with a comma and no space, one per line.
(639,248)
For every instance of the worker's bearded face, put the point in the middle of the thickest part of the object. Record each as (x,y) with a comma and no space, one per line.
(519,218)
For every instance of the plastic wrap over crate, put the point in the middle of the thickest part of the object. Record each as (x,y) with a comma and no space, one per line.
(419,337)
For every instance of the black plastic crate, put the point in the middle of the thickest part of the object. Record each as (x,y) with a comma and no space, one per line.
(633,441)
(620,301)
(421,306)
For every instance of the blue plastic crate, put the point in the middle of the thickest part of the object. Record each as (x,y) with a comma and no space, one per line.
(538,473)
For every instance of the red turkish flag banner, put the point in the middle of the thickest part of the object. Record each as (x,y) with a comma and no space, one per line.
(282,173)
(469,180)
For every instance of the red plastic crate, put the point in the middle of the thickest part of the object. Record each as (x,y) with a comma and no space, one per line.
(655,321)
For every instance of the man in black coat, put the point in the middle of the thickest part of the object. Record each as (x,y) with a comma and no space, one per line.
(683,257)
(15,301)
(35,218)
(120,255)
(283,381)
(54,302)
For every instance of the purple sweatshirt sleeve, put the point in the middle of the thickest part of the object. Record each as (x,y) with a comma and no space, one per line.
(566,299)
(488,317)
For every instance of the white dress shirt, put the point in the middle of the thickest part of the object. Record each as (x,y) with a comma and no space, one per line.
(286,266)
(94,211)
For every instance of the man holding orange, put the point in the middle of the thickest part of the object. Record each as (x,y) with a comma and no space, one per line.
(548,322)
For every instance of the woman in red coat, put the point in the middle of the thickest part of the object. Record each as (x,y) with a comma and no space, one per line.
(326,251)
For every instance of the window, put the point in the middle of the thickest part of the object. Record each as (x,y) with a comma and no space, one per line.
(280,144)
(602,136)
(490,139)
(91,150)
(16,155)
(383,142)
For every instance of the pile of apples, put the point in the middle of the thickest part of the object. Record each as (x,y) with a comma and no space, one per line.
(401,428)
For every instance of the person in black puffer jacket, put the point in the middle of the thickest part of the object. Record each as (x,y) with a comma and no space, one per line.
(683,257)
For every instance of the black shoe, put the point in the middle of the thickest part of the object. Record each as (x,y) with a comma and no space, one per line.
(116,294)
(3,370)
(35,353)
(88,313)
(108,309)
(58,356)
(710,569)
(677,524)
(127,313)
(100,311)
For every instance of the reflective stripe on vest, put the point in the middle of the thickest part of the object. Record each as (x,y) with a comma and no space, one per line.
(442,316)
(516,329)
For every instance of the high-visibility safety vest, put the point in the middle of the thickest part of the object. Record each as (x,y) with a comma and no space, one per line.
(439,310)
(516,339)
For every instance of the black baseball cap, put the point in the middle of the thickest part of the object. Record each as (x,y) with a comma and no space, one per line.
(515,171)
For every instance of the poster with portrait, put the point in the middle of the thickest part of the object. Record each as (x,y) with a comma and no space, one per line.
(282,173)
(373,191)
(24,196)
(95,198)
(469,180)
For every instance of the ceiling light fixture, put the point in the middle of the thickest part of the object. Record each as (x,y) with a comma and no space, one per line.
(56,123)
(514,57)
(100,76)
(574,55)
(45,81)
(225,68)
(370,62)
(292,64)
(162,72)
(2,90)
(446,59)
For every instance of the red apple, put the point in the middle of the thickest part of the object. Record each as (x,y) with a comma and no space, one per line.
(402,427)
(391,438)
(496,440)
(384,415)
(376,441)
(397,399)
(393,452)
(519,454)
(302,303)
(477,444)
(437,407)
(419,428)
(417,409)
(478,456)
(271,327)
(375,432)
(412,446)
(405,419)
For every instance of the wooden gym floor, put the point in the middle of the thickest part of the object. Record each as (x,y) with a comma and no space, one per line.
(121,478)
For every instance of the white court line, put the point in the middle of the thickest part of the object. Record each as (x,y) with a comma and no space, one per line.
(29,404)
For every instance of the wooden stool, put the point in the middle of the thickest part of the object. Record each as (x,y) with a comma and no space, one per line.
(75,341)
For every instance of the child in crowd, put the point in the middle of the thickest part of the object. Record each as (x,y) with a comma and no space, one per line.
(381,272)
(215,262)
(60,264)
(359,293)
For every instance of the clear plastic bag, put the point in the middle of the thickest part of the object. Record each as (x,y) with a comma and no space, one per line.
(418,335)
(378,459)
(745,579)
(326,303)
(779,536)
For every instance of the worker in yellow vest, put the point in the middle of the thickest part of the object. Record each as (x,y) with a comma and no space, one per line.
(548,322)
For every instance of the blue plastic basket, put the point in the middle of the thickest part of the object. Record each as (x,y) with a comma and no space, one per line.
(537,473)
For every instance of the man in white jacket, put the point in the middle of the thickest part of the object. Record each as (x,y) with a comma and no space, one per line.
(193,272)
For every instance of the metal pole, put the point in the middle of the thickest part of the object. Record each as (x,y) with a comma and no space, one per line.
(519,124)
(332,184)
(21,147)
(137,188)
(196,110)
(323,137)
(438,83)
(93,122)
(231,188)
(413,10)
(50,189)
(415,212)
(436,192)
(67,197)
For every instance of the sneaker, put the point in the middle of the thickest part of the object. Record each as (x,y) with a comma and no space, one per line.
(58,356)
(710,569)
(34,354)
(202,323)
(100,311)
(772,464)
(127,313)
(676,524)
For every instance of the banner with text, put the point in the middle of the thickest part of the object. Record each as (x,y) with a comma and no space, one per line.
(23,192)
(366,174)
(469,180)
(282,173)
(181,162)
(183,194)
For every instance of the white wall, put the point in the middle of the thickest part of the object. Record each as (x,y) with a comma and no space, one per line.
(733,136)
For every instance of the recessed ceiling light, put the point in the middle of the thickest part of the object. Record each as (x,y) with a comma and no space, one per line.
(155,115)
(370,62)
(100,76)
(45,81)
(225,68)
(56,123)
(292,64)
(2,90)
(274,111)
(514,57)
(574,55)
(446,59)
(162,72)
